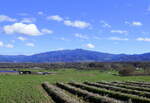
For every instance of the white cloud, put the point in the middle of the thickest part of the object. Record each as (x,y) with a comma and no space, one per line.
(27,29)
(28,20)
(104,24)
(9,46)
(143,39)
(40,13)
(89,45)
(136,23)
(77,24)
(60,49)
(6,45)
(80,36)
(119,31)
(127,22)
(55,17)
(1,44)
(118,38)
(46,31)
(30,44)
(21,38)
(6,18)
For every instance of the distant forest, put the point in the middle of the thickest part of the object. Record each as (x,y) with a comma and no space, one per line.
(124,68)
(79,65)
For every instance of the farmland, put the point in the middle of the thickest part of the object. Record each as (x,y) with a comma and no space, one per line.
(28,89)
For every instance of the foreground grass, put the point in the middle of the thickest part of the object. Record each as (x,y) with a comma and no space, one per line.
(26,88)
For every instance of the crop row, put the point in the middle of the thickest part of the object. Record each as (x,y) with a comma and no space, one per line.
(124,85)
(141,83)
(147,85)
(119,89)
(92,98)
(112,94)
(133,84)
(57,94)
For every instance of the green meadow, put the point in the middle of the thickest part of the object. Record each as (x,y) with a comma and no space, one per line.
(27,88)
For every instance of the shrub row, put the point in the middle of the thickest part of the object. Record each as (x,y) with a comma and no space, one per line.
(57,94)
(119,89)
(92,98)
(134,84)
(113,94)
(139,83)
(124,85)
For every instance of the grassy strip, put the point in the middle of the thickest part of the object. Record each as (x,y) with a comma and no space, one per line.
(57,94)
(92,98)
(113,94)
(124,85)
(123,90)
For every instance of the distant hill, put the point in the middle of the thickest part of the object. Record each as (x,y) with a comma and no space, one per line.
(77,55)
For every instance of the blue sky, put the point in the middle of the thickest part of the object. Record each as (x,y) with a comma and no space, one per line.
(112,26)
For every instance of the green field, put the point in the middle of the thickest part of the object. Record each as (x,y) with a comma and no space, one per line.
(27,88)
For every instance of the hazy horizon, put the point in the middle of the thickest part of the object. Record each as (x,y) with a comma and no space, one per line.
(29,26)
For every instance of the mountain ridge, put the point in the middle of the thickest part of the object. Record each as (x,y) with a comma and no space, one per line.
(76,55)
